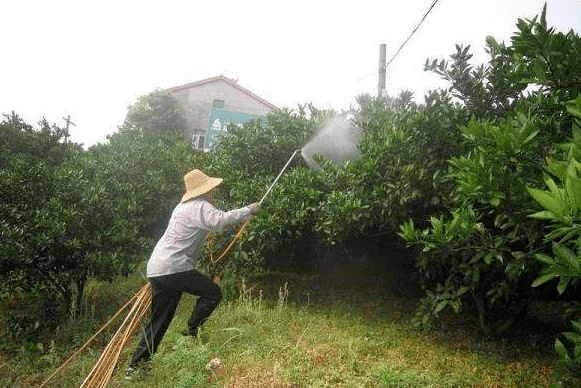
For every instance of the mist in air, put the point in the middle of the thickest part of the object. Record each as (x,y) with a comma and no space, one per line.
(336,141)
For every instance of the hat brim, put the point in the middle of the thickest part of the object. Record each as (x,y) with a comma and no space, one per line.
(203,189)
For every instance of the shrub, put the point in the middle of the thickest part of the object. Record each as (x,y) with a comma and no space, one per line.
(561,205)
(478,255)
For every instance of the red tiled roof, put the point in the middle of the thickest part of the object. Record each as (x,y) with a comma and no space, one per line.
(231,83)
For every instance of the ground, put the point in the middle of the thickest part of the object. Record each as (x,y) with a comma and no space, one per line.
(378,275)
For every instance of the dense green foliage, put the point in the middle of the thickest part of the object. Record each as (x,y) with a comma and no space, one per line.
(479,254)
(41,212)
(157,112)
(562,209)
(405,148)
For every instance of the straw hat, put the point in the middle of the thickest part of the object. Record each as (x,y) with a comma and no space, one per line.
(198,183)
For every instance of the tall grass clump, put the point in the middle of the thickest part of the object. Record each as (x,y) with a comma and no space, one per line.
(25,364)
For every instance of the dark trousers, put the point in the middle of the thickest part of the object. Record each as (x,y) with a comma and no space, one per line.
(166,294)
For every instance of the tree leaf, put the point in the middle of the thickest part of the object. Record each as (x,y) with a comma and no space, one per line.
(530,137)
(548,201)
(462,290)
(567,257)
(545,258)
(440,306)
(562,351)
(573,190)
(563,283)
(574,108)
(557,167)
(573,337)
(544,215)
(543,279)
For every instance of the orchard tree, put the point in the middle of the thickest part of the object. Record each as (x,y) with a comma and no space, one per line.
(478,255)
(405,148)
(561,209)
(141,175)
(20,140)
(157,112)
(69,214)
(249,158)
(41,211)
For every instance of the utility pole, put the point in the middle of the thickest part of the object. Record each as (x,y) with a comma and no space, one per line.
(382,70)
(69,123)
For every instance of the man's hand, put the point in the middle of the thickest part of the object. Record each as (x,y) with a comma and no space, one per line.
(254,208)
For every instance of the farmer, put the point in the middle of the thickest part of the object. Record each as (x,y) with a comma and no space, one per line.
(171,269)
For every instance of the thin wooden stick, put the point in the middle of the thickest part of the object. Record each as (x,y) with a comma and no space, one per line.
(89,341)
(105,365)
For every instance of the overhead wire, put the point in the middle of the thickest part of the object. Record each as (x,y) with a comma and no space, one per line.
(404,43)
(412,33)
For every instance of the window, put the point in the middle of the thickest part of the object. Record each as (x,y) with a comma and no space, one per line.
(198,139)
(201,141)
(218,104)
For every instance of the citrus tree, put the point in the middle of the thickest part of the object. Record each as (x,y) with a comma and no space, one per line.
(68,214)
(561,204)
(42,254)
(479,255)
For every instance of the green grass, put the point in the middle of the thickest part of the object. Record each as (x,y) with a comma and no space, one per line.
(266,344)
(281,344)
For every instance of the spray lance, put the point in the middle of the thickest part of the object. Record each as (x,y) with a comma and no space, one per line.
(244,226)
(337,140)
(279,175)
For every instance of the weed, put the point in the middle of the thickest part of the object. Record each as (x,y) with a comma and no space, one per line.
(283,295)
(394,377)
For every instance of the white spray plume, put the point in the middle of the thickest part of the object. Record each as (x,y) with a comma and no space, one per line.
(337,140)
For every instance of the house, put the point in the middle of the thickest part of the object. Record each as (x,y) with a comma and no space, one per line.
(210,105)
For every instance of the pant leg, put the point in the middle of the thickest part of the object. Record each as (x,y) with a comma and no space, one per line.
(195,283)
(163,306)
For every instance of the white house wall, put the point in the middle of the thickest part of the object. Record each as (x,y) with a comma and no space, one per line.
(197,101)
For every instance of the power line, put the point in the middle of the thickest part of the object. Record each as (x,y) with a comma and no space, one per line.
(373,74)
(412,33)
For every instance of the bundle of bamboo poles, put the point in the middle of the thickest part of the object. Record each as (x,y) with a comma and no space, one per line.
(103,369)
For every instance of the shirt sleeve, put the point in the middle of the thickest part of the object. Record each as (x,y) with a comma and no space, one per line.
(215,220)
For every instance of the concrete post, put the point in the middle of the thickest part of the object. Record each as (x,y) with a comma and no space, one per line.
(382,70)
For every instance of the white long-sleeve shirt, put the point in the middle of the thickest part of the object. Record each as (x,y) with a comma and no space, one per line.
(189,223)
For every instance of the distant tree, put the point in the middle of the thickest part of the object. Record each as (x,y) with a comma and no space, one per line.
(157,111)
(20,139)
(142,171)
(42,239)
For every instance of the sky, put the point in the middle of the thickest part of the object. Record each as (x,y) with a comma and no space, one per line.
(92,60)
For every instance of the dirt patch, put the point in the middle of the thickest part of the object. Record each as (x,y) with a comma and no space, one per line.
(255,376)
